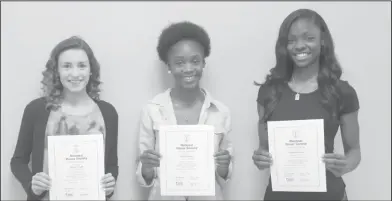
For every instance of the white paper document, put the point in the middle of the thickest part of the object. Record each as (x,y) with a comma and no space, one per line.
(297,148)
(76,167)
(187,166)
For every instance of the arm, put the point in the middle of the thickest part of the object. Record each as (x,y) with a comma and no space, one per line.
(262,129)
(340,164)
(226,144)
(350,136)
(23,149)
(112,160)
(146,142)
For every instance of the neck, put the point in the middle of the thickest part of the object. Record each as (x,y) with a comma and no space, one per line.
(186,95)
(304,74)
(75,98)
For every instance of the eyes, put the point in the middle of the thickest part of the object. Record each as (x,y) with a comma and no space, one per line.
(181,62)
(67,66)
(292,40)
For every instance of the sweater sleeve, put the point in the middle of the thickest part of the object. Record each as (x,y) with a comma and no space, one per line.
(21,157)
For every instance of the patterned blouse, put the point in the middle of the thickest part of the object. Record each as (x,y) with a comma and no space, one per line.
(61,123)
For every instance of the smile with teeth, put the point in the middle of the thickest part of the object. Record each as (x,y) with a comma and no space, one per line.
(302,55)
(189,78)
(75,81)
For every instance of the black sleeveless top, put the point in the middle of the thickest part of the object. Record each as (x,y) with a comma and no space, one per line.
(309,107)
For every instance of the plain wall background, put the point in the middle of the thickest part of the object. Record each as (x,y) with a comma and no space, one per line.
(124,36)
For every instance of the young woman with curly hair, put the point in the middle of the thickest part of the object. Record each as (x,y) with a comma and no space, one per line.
(183,47)
(306,84)
(70,106)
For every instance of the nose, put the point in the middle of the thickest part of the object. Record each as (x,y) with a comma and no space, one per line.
(188,67)
(299,46)
(75,71)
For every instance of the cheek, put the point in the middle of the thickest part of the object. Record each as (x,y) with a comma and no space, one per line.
(199,71)
(86,73)
(316,49)
(62,75)
(288,49)
(316,46)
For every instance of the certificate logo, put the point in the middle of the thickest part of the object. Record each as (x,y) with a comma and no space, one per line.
(187,136)
(295,134)
(75,149)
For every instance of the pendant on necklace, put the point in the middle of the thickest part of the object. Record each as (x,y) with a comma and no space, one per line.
(297,96)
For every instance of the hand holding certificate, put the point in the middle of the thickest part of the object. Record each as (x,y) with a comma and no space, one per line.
(297,148)
(187,165)
(76,166)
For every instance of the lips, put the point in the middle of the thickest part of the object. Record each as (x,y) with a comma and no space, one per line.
(302,55)
(189,78)
(75,81)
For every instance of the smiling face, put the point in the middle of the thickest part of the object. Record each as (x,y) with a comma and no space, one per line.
(304,42)
(74,70)
(186,63)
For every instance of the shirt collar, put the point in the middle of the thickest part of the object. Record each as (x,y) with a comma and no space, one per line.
(164,99)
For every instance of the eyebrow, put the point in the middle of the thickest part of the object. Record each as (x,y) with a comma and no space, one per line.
(67,62)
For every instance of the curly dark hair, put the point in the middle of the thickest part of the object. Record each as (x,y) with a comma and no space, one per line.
(179,31)
(329,73)
(52,87)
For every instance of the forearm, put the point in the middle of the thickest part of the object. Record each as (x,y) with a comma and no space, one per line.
(353,157)
(263,136)
(22,173)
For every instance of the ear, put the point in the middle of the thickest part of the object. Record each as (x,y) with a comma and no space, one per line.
(168,68)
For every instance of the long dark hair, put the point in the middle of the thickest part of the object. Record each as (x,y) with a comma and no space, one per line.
(329,73)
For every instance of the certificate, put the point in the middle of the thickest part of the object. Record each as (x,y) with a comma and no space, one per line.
(76,166)
(297,148)
(187,166)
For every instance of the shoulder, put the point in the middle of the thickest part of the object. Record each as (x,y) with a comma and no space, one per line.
(265,88)
(264,92)
(158,100)
(35,105)
(348,98)
(107,108)
(221,107)
(345,88)
(218,104)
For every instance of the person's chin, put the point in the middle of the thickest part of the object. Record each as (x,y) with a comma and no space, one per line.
(75,89)
(302,64)
(190,85)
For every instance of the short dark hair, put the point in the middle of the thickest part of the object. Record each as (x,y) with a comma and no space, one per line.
(179,31)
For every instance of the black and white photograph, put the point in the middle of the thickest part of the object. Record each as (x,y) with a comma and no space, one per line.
(196,100)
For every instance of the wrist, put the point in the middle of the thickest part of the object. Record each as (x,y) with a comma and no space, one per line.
(110,194)
(222,171)
(148,172)
(263,148)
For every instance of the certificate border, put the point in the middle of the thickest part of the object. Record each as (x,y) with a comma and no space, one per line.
(97,139)
(188,128)
(318,164)
(207,136)
(82,142)
(319,123)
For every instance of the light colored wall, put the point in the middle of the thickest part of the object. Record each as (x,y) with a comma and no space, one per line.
(124,37)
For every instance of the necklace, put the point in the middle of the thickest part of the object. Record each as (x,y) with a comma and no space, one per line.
(190,107)
(297,93)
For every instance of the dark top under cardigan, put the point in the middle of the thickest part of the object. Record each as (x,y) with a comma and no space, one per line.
(31,141)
